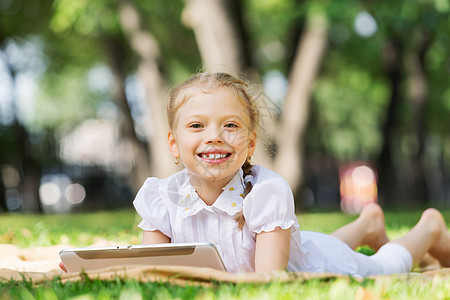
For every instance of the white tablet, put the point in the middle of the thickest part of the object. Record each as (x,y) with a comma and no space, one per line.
(176,254)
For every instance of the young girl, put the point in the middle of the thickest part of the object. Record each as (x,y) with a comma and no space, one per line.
(246,210)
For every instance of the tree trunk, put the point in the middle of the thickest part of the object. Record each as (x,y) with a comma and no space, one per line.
(146,47)
(220,39)
(224,47)
(312,45)
(295,33)
(141,168)
(30,169)
(3,206)
(417,91)
(386,171)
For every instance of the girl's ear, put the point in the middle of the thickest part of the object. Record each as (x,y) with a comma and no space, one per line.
(173,146)
(252,143)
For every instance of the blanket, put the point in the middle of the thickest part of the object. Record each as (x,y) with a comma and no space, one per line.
(40,264)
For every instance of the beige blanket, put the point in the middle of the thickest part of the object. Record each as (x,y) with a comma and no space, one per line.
(41,264)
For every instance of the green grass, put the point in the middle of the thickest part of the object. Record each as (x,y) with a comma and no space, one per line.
(120,226)
(344,288)
(79,229)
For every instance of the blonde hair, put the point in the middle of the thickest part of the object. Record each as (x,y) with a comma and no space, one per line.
(207,83)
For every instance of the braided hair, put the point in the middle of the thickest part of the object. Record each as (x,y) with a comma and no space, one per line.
(247,168)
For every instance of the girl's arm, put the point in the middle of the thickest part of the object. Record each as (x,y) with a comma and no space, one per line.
(154,237)
(272,250)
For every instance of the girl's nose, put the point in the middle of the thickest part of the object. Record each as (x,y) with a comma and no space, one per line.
(214,135)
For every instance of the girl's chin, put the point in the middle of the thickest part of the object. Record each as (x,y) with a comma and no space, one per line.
(212,174)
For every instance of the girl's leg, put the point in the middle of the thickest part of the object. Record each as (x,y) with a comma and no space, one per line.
(367,229)
(429,235)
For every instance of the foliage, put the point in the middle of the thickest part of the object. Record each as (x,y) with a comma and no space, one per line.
(349,105)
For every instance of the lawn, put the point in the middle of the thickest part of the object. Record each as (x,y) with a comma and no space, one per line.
(84,229)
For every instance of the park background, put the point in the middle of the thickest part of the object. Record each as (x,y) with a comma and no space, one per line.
(339,83)
(355,102)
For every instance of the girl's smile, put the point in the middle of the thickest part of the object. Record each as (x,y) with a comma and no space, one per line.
(215,156)
(212,136)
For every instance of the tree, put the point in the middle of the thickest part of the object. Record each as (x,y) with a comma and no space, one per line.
(378,97)
(16,141)
(221,45)
(406,47)
(147,49)
(311,48)
(220,34)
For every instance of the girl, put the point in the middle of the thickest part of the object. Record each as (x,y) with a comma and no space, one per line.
(246,210)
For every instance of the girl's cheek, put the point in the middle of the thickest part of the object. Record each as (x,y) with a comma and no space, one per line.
(238,137)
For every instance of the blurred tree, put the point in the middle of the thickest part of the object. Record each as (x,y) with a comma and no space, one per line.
(146,47)
(306,64)
(373,98)
(366,80)
(220,34)
(406,33)
(409,32)
(116,51)
(361,102)
(16,141)
(96,25)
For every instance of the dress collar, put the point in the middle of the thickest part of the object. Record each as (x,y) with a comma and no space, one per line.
(229,201)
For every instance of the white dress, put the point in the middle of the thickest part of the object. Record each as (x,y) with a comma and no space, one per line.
(172,206)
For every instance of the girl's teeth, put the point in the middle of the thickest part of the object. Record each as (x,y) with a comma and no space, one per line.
(213,156)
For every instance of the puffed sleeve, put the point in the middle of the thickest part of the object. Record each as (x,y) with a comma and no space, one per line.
(152,208)
(270,204)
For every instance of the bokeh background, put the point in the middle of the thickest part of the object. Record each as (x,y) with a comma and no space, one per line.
(354,96)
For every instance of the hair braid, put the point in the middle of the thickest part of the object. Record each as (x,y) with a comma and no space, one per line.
(248,171)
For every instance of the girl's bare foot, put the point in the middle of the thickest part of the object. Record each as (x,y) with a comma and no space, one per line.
(429,263)
(440,249)
(367,229)
(372,218)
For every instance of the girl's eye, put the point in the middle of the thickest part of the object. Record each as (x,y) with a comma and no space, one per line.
(195,125)
(231,125)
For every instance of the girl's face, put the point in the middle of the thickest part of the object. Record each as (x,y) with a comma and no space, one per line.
(212,136)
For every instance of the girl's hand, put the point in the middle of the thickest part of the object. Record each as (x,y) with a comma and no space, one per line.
(61,265)
(272,250)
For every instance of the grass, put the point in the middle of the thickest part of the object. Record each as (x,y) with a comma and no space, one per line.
(345,288)
(83,229)
(78,229)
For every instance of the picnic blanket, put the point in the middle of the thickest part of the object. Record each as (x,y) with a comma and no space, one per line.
(40,264)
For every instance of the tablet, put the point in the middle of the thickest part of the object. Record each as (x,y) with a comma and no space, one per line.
(176,254)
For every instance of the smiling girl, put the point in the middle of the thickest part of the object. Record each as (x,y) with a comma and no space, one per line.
(246,210)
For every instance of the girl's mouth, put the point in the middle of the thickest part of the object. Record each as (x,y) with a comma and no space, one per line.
(214,155)
(214,158)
